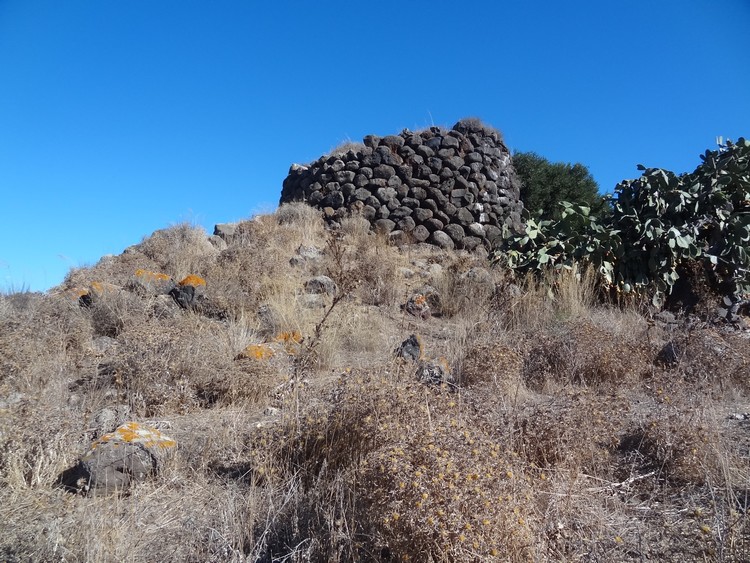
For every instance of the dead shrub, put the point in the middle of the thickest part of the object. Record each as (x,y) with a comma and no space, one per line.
(675,443)
(492,363)
(574,432)
(465,286)
(179,251)
(584,353)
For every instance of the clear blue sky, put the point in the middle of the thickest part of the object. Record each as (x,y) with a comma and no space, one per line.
(119,118)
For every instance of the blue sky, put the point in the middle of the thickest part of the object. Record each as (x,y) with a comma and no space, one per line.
(120,118)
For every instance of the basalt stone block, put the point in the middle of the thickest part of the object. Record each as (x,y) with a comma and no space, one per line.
(464,216)
(393,141)
(361,194)
(421,214)
(420,183)
(372,160)
(434,224)
(407,224)
(400,213)
(345,176)
(441,239)
(450,142)
(442,216)
(131,454)
(406,152)
(394,181)
(420,233)
(368,212)
(383,171)
(334,199)
(424,151)
(456,232)
(470,243)
(385,194)
(371,141)
(430,204)
(389,158)
(384,225)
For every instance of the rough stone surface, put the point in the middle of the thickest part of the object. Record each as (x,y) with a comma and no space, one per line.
(438,181)
(410,349)
(435,372)
(319,285)
(131,454)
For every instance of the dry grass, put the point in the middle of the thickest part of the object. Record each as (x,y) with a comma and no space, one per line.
(571,434)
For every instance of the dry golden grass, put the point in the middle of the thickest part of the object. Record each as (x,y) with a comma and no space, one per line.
(301,437)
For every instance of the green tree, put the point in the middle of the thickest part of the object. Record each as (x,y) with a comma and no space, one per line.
(545,184)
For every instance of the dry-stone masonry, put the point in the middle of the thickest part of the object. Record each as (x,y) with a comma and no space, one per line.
(453,188)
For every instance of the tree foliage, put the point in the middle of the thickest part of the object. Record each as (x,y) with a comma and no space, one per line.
(659,222)
(545,184)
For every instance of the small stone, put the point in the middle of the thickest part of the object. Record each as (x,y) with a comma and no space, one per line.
(435,372)
(320,284)
(410,349)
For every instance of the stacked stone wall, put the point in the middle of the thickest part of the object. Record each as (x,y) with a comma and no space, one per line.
(455,188)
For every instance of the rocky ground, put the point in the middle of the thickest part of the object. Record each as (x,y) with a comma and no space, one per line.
(334,397)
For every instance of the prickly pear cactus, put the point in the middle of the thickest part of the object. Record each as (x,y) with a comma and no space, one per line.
(660,224)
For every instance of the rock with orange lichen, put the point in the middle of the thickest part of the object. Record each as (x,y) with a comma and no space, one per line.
(148,282)
(132,453)
(292,341)
(95,291)
(257,352)
(417,305)
(193,281)
(189,291)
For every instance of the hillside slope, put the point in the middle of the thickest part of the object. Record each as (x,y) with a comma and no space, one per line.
(532,424)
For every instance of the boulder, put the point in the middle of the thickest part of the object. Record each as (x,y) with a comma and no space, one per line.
(131,454)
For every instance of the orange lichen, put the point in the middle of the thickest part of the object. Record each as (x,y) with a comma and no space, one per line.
(102,287)
(77,292)
(288,337)
(135,433)
(257,352)
(194,281)
(151,276)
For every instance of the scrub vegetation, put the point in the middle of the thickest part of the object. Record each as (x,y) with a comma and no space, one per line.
(573,428)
